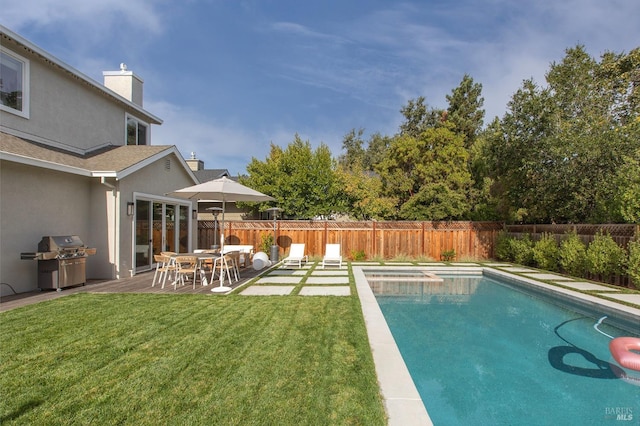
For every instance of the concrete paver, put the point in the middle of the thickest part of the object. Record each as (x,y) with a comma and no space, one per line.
(550,277)
(327,280)
(280,271)
(306,266)
(268,290)
(518,269)
(330,290)
(330,271)
(632,298)
(579,285)
(271,279)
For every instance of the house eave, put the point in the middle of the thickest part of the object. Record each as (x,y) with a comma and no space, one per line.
(30,161)
(32,48)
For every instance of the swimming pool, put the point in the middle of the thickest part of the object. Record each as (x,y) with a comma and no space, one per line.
(481,351)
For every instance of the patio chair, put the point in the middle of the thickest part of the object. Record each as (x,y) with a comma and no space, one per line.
(296,256)
(224,264)
(164,266)
(332,255)
(185,266)
(235,256)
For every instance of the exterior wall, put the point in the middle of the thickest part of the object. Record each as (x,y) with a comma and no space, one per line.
(154,179)
(103,220)
(36,203)
(65,112)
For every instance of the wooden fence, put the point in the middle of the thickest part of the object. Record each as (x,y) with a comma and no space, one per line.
(386,240)
(620,233)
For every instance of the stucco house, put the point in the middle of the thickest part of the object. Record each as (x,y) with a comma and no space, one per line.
(76,158)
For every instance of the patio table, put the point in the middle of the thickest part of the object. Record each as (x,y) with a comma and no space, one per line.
(201,257)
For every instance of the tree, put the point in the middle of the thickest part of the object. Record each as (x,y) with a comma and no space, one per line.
(418,117)
(376,150)
(466,113)
(361,187)
(520,151)
(353,146)
(465,109)
(627,196)
(355,153)
(302,181)
(362,192)
(557,154)
(427,175)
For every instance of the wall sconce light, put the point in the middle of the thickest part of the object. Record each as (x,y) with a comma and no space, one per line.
(194,214)
(130,209)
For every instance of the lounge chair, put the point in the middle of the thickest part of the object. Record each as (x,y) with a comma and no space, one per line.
(296,256)
(332,256)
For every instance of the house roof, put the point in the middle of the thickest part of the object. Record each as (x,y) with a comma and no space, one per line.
(32,48)
(112,161)
(210,174)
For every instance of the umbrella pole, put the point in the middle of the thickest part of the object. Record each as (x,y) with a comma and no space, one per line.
(221,288)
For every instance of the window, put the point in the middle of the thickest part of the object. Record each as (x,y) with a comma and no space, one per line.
(14,83)
(136,132)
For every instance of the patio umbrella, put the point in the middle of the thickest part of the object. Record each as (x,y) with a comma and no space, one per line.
(222,189)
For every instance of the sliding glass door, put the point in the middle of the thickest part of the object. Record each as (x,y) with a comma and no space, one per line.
(159,226)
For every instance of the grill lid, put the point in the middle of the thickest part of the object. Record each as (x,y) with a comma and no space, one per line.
(60,243)
(60,247)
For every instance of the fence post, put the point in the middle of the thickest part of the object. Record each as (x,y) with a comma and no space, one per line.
(326,233)
(373,239)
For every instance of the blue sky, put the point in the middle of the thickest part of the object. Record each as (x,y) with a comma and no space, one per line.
(229,77)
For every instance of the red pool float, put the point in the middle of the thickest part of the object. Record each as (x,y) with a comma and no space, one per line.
(622,350)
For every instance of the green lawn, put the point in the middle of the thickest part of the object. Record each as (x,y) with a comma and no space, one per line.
(176,359)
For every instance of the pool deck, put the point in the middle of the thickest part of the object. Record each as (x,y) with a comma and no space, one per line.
(401,399)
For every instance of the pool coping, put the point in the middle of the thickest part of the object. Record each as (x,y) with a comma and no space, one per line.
(402,402)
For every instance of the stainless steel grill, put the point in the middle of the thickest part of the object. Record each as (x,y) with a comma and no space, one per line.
(61,261)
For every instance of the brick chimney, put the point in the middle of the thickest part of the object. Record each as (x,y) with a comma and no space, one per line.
(125,83)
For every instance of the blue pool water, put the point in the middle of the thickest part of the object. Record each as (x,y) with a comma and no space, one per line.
(481,352)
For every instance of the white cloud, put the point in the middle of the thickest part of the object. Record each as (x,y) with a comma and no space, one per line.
(142,14)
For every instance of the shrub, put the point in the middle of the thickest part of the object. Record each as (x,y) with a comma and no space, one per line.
(546,253)
(358,255)
(503,247)
(633,264)
(604,257)
(448,255)
(266,243)
(522,250)
(573,255)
